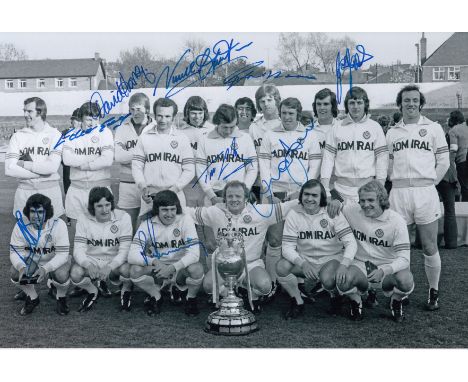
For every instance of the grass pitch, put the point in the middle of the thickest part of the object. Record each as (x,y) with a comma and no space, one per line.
(106,327)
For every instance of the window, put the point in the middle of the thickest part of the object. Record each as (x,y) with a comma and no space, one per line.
(438,73)
(73,82)
(453,73)
(8,84)
(41,83)
(59,82)
(22,84)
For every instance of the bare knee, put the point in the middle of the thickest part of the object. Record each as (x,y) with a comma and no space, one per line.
(283,267)
(77,273)
(429,247)
(136,271)
(62,274)
(195,271)
(124,270)
(327,275)
(404,280)
(261,281)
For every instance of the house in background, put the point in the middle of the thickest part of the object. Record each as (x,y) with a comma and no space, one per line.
(449,62)
(53,75)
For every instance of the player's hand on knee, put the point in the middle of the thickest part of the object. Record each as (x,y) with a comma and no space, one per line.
(308,271)
(167,271)
(93,271)
(340,276)
(375,276)
(334,208)
(145,195)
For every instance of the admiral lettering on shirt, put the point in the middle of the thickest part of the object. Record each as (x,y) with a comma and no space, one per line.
(416,149)
(383,240)
(110,240)
(162,160)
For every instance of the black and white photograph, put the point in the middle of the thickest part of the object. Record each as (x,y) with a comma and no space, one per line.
(234,190)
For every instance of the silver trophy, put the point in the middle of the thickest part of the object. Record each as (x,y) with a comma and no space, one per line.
(229,261)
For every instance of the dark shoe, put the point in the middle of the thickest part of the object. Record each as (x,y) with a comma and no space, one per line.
(257,306)
(52,291)
(371,300)
(191,307)
(152,306)
(177,296)
(433,300)
(126,301)
(355,311)
(275,290)
(405,301)
(61,306)
(294,310)
(29,305)
(77,292)
(88,302)
(104,289)
(20,296)
(397,310)
(306,296)
(335,305)
(317,290)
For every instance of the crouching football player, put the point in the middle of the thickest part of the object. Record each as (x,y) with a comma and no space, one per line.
(102,242)
(164,252)
(39,247)
(383,254)
(313,248)
(252,221)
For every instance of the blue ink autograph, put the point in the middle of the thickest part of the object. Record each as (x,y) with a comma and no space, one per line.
(224,155)
(349,62)
(151,247)
(249,70)
(78,133)
(31,240)
(284,165)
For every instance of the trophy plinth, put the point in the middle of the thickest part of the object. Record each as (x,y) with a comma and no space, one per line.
(231,319)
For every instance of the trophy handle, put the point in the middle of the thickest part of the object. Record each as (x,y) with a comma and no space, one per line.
(214,275)
(247,276)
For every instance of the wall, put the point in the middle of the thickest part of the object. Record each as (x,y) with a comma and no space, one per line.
(63,103)
(82,84)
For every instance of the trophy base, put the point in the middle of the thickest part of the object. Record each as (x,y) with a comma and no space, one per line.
(231,319)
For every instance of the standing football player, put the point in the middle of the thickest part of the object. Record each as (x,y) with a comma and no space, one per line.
(39,249)
(126,138)
(164,252)
(33,159)
(246,112)
(102,241)
(163,158)
(419,159)
(355,149)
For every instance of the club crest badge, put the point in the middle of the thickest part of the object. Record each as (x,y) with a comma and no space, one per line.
(247,219)
(422,132)
(174,144)
(114,228)
(379,233)
(176,232)
(95,139)
(45,140)
(366,134)
(324,223)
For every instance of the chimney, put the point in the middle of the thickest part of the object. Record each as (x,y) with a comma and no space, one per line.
(423,49)
(96,56)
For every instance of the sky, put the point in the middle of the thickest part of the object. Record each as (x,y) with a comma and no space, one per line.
(386,48)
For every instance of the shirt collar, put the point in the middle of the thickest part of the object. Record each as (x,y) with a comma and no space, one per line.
(384,217)
(280,128)
(113,218)
(213,134)
(152,128)
(300,209)
(422,121)
(348,120)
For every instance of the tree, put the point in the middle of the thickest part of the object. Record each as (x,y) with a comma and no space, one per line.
(138,56)
(8,52)
(326,49)
(196,46)
(295,53)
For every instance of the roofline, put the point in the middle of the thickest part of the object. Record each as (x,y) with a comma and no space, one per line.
(440,46)
(441,66)
(32,78)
